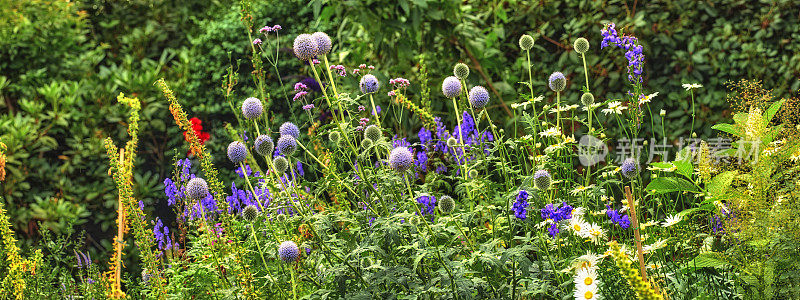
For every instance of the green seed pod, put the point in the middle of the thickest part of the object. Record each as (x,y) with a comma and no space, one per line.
(280,218)
(335,136)
(452,142)
(542,180)
(526,42)
(446,204)
(373,133)
(581,45)
(281,164)
(366,143)
(587,99)
(461,71)
(250,213)
(473,173)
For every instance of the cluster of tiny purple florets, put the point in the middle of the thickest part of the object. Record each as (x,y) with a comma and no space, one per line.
(520,206)
(633,52)
(556,214)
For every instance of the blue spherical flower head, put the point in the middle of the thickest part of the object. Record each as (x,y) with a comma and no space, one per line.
(369,84)
(478,97)
(324,44)
(252,108)
(288,252)
(305,47)
(557,81)
(451,87)
(629,168)
(237,152)
(264,145)
(288,128)
(197,188)
(542,179)
(401,159)
(287,145)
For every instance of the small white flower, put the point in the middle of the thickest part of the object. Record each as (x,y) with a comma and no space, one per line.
(586,292)
(596,233)
(551,132)
(593,106)
(614,107)
(660,243)
(585,277)
(587,261)
(689,86)
(671,220)
(579,227)
(646,99)
(580,189)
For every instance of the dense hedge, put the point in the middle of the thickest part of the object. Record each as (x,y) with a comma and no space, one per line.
(61,77)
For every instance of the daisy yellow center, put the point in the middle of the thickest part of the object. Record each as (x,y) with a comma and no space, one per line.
(588,295)
(588,281)
(586,264)
(577,227)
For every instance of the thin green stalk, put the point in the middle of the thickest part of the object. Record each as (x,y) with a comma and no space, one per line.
(264,261)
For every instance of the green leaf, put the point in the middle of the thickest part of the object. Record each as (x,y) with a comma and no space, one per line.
(707,260)
(662,185)
(720,183)
(772,110)
(729,128)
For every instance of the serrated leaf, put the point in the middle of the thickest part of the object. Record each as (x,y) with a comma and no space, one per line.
(662,185)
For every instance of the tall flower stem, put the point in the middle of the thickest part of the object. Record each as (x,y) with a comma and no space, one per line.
(530,85)
(692,128)
(558,112)
(585,71)
(294,284)
(460,138)
(264,261)
(374,111)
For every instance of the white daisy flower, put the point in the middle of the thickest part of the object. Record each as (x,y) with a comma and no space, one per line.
(671,220)
(579,227)
(689,86)
(660,243)
(580,189)
(551,132)
(596,233)
(614,107)
(587,261)
(585,277)
(646,99)
(586,292)
(593,106)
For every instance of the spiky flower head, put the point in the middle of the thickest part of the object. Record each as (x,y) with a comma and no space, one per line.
(473,173)
(478,97)
(451,87)
(252,108)
(287,144)
(288,252)
(281,164)
(401,159)
(557,81)
(250,213)
(369,84)
(452,142)
(446,204)
(542,179)
(526,42)
(280,218)
(288,128)
(461,71)
(264,145)
(581,45)
(197,188)
(587,99)
(366,143)
(629,168)
(323,41)
(372,132)
(237,152)
(305,47)
(335,136)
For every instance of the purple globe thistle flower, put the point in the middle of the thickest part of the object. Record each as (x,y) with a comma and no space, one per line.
(252,108)
(557,81)
(451,87)
(401,159)
(369,84)
(324,44)
(237,152)
(197,188)
(288,128)
(478,97)
(287,144)
(542,179)
(288,252)
(629,168)
(264,145)
(305,47)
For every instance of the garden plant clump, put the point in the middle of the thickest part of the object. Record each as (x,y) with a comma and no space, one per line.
(568,196)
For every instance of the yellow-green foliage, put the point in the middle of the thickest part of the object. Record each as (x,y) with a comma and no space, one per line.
(644,289)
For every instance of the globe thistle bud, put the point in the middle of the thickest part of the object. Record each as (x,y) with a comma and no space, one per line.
(461,71)
(473,173)
(288,128)
(252,108)
(280,218)
(369,84)
(629,168)
(366,143)
(478,97)
(288,252)
(542,179)
(305,47)
(401,159)
(287,145)
(335,136)
(526,42)
(264,145)
(557,82)
(250,213)
(237,152)
(446,204)
(587,99)
(323,41)
(372,132)
(281,164)
(452,142)
(581,45)
(451,87)
(197,188)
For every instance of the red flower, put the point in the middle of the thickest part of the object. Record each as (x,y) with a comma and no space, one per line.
(197,129)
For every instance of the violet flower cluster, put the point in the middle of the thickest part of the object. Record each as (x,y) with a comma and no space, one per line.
(556,214)
(474,140)
(520,206)
(633,52)
(617,218)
